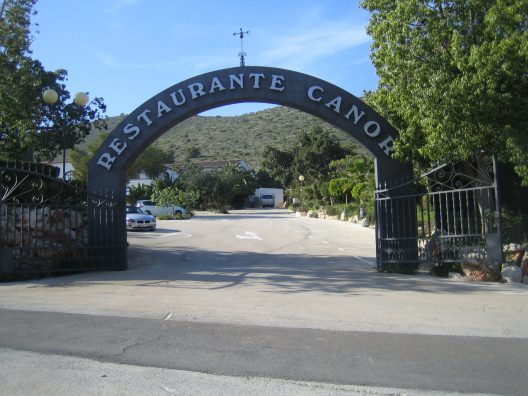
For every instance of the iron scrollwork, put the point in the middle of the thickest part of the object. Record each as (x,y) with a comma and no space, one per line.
(23,186)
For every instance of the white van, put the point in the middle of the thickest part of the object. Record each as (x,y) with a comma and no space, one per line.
(277,194)
(267,200)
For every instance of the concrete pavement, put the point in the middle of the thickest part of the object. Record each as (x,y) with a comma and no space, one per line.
(468,364)
(268,268)
(303,273)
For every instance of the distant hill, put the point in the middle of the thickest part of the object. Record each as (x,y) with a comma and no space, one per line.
(238,137)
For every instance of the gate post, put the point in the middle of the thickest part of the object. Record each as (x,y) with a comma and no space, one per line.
(107,229)
(494,240)
(397,224)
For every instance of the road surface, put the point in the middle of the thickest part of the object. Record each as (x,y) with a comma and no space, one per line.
(263,298)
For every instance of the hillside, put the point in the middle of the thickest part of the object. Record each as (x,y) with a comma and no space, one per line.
(239,137)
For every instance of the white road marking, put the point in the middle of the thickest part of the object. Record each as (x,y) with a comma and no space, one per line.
(249,235)
(180,234)
(341,249)
(168,316)
(365,261)
(326,243)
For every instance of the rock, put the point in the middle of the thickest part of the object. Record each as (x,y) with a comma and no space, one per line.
(454,275)
(355,219)
(511,274)
(512,247)
(364,223)
(519,254)
(475,271)
(312,214)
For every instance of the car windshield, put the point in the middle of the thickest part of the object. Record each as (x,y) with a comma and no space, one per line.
(133,209)
(148,203)
(267,196)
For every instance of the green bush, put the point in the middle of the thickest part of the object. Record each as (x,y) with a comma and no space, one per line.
(175,216)
(332,210)
(216,210)
(336,210)
(295,206)
(312,205)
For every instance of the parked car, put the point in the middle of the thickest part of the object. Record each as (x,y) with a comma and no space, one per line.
(136,219)
(153,209)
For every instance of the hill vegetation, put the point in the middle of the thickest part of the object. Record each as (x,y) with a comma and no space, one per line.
(238,137)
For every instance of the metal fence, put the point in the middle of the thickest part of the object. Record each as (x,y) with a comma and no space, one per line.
(450,215)
(44,224)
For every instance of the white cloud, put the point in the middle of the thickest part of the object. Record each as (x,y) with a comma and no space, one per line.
(304,49)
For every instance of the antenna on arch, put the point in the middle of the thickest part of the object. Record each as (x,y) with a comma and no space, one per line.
(242,54)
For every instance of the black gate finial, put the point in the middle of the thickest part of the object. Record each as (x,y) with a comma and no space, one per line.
(242,54)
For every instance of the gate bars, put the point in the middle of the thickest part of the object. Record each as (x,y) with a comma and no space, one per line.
(449,215)
(44,228)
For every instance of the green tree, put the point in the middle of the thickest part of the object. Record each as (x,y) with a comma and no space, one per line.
(151,161)
(30,129)
(355,175)
(218,188)
(314,153)
(276,166)
(452,77)
(310,157)
(339,187)
(140,191)
(81,157)
(173,196)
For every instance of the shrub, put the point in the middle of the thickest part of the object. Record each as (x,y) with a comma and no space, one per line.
(295,206)
(175,216)
(332,210)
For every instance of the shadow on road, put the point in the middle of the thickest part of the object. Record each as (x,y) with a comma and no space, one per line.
(281,273)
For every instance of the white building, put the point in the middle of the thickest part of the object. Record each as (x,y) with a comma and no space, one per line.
(68,168)
(142,177)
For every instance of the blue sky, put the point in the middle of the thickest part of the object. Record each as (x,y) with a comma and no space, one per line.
(126,51)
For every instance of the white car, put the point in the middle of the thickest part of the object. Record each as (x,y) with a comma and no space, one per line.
(136,219)
(151,208)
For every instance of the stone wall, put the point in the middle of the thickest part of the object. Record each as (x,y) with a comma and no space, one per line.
(39,234)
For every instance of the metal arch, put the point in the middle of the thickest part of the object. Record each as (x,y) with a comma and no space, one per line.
(284,87)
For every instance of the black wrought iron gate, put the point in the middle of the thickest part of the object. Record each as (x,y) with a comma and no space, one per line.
(449,215)
(44,224)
